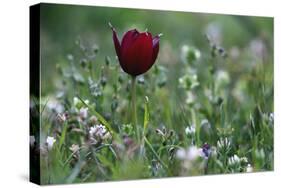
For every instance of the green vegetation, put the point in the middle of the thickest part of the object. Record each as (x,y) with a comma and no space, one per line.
(205,107)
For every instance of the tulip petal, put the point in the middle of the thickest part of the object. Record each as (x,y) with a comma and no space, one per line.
(136,59)
(116,42)
(155,46)
(128,38)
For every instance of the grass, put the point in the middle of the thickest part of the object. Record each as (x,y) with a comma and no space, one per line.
(199,114)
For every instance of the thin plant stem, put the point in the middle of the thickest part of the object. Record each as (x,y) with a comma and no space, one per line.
(156,155)
(134,108)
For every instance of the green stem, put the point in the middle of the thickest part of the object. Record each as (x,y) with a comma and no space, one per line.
(134,108)
(156,155)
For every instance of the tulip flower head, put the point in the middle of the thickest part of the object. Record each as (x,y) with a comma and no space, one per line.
(137,51)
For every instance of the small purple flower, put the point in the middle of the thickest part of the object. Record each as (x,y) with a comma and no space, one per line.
(206,149)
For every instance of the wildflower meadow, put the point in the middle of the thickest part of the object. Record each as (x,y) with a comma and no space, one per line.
(136,94)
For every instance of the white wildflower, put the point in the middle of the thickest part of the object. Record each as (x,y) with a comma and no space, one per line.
(222,79)
(74,148)
(61,117)
(249,168)
(181,154)
(83,113)
(223,144)
(190,97)
(234,160)
(190,130)
(98,132)
(201,153)
(189,154)
(189,53)
(191,158)
(77,102)
(70,57)
(193,153)
(55,105)
(188,81)
(244,160)
(50,142)
(107,135)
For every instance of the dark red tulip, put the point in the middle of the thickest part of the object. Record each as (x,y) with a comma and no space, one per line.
(137,52)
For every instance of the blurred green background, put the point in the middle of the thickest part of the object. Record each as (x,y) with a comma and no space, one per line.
(62,25)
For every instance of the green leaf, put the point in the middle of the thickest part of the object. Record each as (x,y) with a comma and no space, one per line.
(146,114)
(63,134)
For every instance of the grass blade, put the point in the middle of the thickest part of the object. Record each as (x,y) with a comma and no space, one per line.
(100,117)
